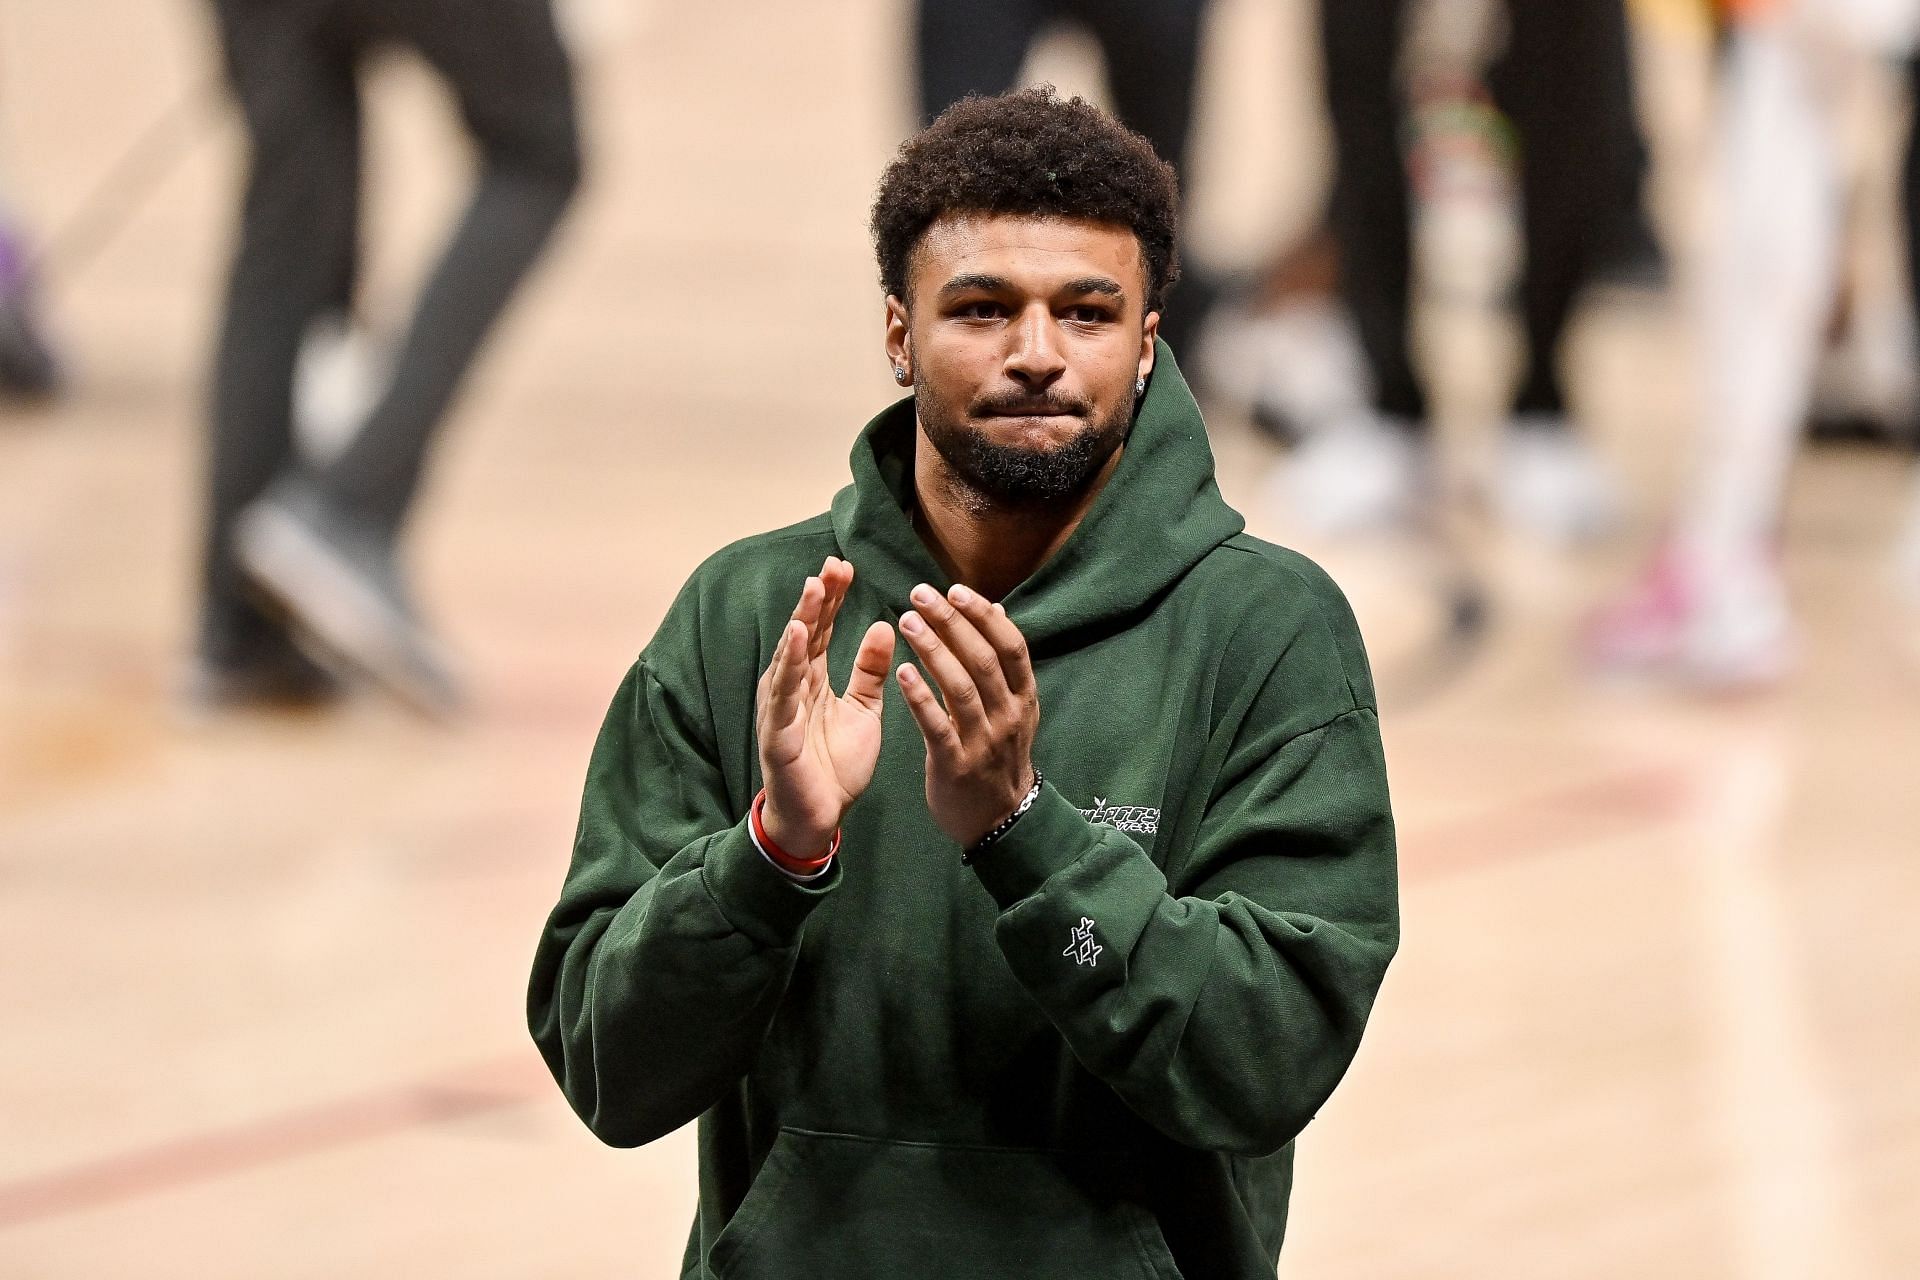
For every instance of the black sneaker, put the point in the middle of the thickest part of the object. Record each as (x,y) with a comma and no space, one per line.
(245,660)
(336,576)
(289,682)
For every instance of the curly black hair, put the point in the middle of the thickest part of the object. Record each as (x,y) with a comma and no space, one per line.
(1028,152)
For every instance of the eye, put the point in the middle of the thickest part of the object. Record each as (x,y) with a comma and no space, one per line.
(984,309)
(1089,313)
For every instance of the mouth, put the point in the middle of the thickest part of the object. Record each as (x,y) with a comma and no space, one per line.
(1038,413)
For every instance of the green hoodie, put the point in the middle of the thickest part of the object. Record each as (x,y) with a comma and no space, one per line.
(1086,1056)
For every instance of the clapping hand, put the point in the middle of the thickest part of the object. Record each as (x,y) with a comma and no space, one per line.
(980,742)
(818,750)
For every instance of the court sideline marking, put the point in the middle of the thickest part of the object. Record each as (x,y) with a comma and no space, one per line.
(1531,827)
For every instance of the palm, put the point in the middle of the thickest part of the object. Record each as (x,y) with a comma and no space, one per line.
(837,743)
(818,749)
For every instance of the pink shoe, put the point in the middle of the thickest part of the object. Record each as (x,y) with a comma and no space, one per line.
(1727,630)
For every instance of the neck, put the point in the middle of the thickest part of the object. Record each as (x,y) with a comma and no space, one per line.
(985,544)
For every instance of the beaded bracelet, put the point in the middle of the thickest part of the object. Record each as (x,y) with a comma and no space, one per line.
(992,837)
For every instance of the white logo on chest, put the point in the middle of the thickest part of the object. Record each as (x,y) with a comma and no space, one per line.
(1083,949)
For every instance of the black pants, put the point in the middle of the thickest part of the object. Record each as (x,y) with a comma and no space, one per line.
(1910,212)
(1152,50)
(293,67)
(1565,82)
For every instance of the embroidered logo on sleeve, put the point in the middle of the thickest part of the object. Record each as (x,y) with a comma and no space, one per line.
(1083,949)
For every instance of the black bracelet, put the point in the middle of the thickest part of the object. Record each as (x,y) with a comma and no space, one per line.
(992,837)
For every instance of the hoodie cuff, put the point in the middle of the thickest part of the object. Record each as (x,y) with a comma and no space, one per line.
(1049,837)
(762,901)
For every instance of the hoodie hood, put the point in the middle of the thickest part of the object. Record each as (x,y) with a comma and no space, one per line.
(1160,513)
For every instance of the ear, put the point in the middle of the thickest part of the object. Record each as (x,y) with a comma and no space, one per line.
(1148,332)
(900,339)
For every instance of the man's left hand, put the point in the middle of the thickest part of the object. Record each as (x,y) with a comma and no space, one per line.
(980,742)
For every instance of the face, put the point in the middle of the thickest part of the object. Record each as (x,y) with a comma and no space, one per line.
(1023,338)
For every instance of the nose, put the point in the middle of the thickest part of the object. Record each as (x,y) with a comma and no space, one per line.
(1035,360)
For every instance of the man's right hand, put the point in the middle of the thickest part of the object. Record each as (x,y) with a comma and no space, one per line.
(818,750)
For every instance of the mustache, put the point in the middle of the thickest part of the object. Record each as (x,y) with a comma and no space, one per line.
(1017,406)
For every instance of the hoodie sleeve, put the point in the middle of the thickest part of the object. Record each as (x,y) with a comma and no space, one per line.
(1223,1016)
(674,939)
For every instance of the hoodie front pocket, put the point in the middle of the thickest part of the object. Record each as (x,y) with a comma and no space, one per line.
(829,1205)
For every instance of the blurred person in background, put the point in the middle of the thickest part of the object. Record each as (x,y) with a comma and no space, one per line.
(939,1015)
(1711,608)
(301,557)
(1152,54)
(1563,79)
(29,370)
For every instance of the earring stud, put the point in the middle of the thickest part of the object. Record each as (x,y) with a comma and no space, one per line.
(899,375)
(1139,386)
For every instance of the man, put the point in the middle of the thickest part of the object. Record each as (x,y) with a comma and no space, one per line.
(1565,81)
(319,544)
(1151,52)
(1032,960)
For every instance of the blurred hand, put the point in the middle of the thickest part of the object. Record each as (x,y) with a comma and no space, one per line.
(980,743)
(818,751)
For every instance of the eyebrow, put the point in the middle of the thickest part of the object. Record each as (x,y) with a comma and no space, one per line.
(1094,284)
(1102,285)
(976,280)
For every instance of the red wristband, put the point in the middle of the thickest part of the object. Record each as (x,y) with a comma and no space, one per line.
(787,862)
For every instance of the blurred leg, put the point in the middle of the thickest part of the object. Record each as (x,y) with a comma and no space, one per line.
(1152,48)
(1908,551)
(1910,190)
(1566,83)
(972,46)
(1367,472)
(1713,608)
(1767,281)
(505,63)
(295,259)
(1370,205)
(29,369)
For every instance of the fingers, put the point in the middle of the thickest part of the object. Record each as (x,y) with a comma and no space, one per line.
(983,639)
(812,595)
(836,575)
(935,725)
(961,635)
(997,629)
(786,676)
(869,679)
(820,600)
(965,704)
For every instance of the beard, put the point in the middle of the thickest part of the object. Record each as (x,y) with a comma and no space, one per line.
(1020,475)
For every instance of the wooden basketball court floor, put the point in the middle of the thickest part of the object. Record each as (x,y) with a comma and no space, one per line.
(261,977)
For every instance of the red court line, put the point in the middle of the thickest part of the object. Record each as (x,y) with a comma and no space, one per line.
(378,1113)
(1550,822)
(1555,821)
